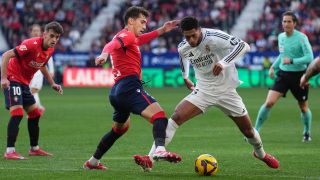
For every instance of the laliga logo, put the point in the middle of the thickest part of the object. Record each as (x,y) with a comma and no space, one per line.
(36,64)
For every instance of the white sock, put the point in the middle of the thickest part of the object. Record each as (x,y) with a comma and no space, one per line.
(170,131)
(10,149)
(256,142)
(37,98)
(93,161)
(35,148)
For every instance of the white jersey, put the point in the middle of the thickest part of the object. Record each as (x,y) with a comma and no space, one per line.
(215,47)
(37,80)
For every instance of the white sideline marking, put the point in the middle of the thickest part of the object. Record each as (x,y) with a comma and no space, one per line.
(114,170)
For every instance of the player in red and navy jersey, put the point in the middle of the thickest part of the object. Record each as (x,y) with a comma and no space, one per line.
(18,67)
(127,95)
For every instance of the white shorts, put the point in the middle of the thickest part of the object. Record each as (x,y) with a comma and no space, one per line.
(37,81)
(228,102)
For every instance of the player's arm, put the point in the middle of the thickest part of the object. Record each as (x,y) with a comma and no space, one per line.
(185,66)
(307,53)
(51,66)
(239,48)
(147,37)
(44,70)
(4,66)
(312,70)
(274,66)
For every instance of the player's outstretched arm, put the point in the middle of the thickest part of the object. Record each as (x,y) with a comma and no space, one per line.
(4,66)
(44,70)
(168,26)
(100,60)
(313,69)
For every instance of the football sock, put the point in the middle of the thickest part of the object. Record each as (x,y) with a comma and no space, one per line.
(35,148)
(37,98)
(13,130)
(10,149)
(306,119)
(160,148)
(256,142)
(105,143)
(33,128)
(262,116)
(170,131)
(159,131)
(93,161)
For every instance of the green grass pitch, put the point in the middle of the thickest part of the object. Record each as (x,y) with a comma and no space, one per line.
(74,123)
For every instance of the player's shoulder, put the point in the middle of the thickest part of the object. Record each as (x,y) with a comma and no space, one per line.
(33,42)
(183,46)
(124,33)
(300,34)
(214,33)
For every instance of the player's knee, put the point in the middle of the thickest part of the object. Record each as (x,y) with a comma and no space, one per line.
(269,104)
(34,113)
(119,130)
(17,112)
(248,132)
(158,115)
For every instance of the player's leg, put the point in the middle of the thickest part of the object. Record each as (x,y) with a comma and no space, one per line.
(306,118)
(106,142)
(231,104)
(35,86)
(184,111)
(264,111)
(278,90)
(34,115)
(301,95)
(14,101)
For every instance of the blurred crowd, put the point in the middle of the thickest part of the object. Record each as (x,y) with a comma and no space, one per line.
(219,14)
(16,17)
(264,33)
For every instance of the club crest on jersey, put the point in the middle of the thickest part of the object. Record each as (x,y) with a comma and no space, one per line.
(207,48)
(23,48)
(35,64)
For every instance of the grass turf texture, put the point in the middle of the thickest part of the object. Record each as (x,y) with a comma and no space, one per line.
(74,123)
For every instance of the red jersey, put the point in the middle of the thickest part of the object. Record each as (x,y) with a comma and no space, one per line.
(30,57)
(126,60)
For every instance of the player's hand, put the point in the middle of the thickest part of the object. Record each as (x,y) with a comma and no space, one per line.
(303,82)
(100,60)
(189,84)
(217,69)
(5,83)
(168,26)
(57,88)
(286,60)
(271,72)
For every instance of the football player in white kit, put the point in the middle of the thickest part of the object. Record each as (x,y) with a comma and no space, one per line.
(37,80)
(212,54)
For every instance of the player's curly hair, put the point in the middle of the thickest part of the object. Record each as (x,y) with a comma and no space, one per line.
(134,12)
(188,23)
(55,26)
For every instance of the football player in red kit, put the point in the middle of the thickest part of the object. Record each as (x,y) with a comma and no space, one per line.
(127,95)
(18,67)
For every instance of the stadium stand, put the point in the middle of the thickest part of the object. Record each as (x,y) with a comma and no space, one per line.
(263,35)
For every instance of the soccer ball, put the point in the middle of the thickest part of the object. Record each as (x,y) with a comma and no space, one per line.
(206,165)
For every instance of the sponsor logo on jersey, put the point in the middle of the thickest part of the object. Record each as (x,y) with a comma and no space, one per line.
(207,48)
(23,48)
(35,64)
(202,61)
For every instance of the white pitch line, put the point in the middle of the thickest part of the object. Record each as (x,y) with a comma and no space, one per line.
(114,170)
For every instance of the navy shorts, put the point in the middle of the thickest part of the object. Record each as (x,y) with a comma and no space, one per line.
(128,96)
(290,81)
(18,94)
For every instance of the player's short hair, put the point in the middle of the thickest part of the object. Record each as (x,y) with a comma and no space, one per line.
(188,23)
(35,25)
(55,26)
(134,12)
(290,13)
